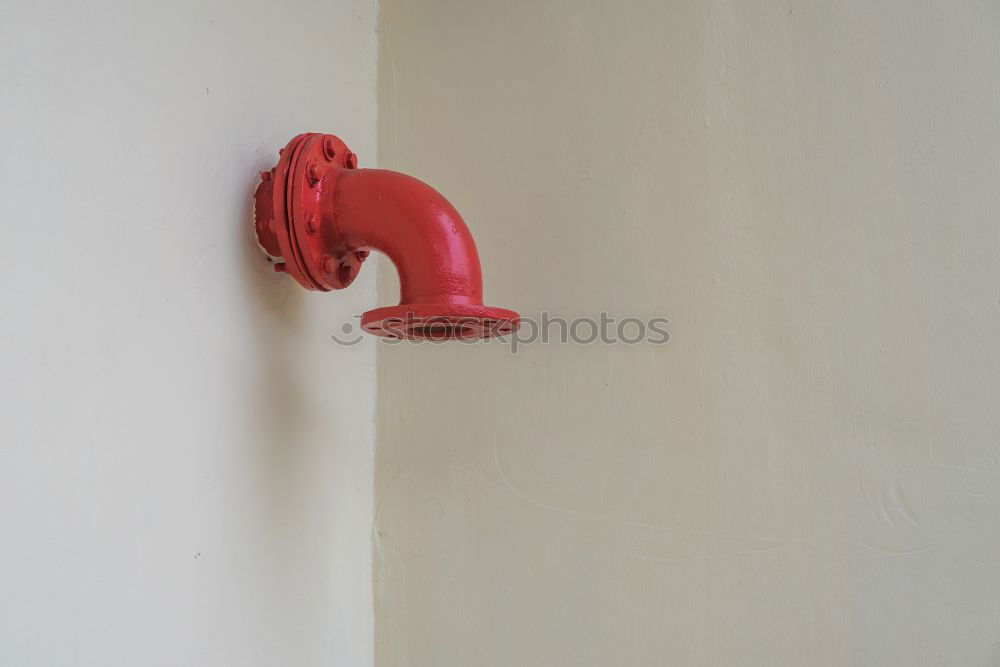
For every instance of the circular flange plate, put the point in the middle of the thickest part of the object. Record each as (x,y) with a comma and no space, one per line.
(440,321)
(303,186)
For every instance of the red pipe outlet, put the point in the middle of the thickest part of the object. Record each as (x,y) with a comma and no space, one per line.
(317,217)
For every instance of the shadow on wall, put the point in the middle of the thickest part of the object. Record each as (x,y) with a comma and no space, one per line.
(277,407)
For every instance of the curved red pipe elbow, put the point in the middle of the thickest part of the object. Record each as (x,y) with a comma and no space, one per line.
(317,217)
(417,228)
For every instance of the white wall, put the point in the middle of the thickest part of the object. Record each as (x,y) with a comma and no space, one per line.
(808,473)
(185,456)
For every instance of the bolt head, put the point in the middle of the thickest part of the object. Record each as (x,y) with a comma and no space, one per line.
(327,264)
(312,224)
(329,148)
(350,160)
(312,174)
(345,274)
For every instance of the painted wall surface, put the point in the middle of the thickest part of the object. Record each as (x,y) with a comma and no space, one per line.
(809,472)
(185,457)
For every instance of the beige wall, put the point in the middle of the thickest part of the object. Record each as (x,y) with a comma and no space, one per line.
(809,472)
(185,457)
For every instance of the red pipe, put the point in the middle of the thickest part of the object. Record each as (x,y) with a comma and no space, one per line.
(317,217)
(416,228)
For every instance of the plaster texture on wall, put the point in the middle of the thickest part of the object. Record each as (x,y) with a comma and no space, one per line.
(185,456)
(808,473)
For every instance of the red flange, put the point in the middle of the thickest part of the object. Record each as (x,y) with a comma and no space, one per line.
(317,217)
